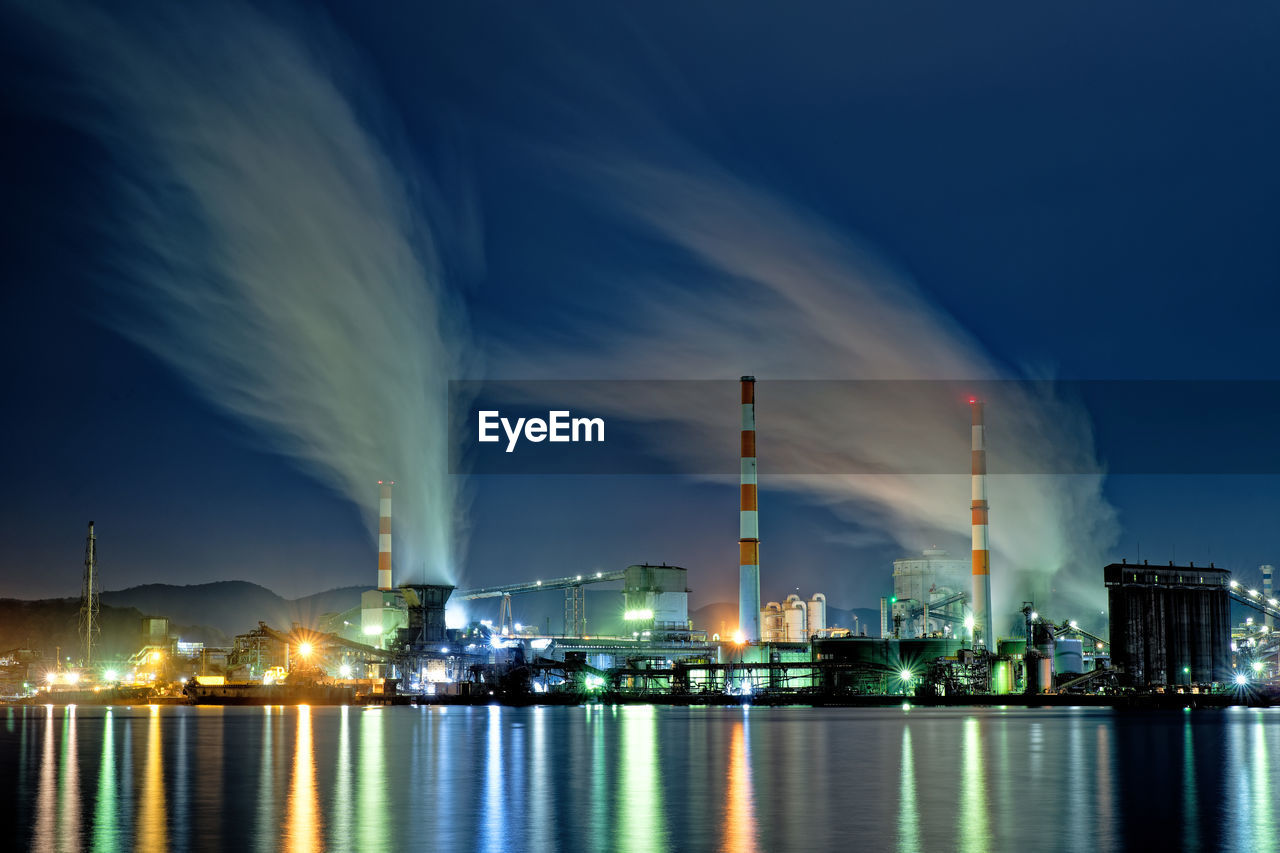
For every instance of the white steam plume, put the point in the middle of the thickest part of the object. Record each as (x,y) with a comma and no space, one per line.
(277,250)
(783,295)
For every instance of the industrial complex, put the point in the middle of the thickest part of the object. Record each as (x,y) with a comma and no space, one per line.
(1171,638)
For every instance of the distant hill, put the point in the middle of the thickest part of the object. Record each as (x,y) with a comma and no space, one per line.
(52,626)
(231,607)
(215,612)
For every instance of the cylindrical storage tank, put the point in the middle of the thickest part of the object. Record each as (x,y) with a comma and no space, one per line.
(1046,675)
(1002,677)
(1039,672)
(1068,656)
(796,616)
(817,613)
(771,623)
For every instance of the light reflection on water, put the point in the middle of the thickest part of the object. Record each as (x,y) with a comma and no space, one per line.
(640,778)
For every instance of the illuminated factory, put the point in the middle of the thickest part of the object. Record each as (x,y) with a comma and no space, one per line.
(1170,634)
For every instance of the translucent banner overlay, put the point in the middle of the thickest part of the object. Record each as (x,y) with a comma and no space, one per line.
(869,427)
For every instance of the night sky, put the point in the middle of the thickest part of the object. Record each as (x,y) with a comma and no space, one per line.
(1086,191)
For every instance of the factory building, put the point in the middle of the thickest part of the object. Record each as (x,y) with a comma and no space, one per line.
(920,584)
(656,598)
(1169,624)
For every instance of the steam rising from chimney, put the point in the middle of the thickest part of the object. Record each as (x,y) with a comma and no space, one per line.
(760,269)
(274,251)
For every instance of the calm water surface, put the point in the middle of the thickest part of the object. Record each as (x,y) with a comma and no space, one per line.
(639,778)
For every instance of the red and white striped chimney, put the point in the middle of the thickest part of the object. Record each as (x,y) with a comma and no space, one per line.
(749,525)
(384,535)
(981,549)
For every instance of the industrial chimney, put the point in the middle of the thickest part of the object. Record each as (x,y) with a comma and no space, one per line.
(749,529)
(981,552)
(384,535)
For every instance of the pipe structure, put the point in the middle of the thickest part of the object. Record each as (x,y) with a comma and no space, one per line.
(1268,593)
(384,536)
(749,525)
(981,549)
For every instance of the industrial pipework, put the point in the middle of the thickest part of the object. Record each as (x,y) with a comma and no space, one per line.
(981,550)
(384,536)
(1268,593)
(749,529)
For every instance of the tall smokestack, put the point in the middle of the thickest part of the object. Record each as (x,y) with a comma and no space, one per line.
(981,550)
(749,543)
(384,535)
(1268,593)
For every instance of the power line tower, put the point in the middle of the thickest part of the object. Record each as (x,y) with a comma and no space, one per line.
(89,605)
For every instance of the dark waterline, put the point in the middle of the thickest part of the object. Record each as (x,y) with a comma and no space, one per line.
(640,778)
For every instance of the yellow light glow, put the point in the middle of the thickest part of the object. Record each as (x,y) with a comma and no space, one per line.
(51,677)
(304,649)
(739,638)
(155,657)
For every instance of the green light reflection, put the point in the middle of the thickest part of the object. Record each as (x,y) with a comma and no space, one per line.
(1190,815)
(371,817)
(105,831)
(908,817)
(975,835)
(640,796)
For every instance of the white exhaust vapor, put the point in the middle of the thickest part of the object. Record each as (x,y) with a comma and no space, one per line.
(783,295)
(273,251)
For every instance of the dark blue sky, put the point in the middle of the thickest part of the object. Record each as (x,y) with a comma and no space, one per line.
(1088,190)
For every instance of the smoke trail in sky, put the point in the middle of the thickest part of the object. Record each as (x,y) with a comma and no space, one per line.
(783,295)
(277,249)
